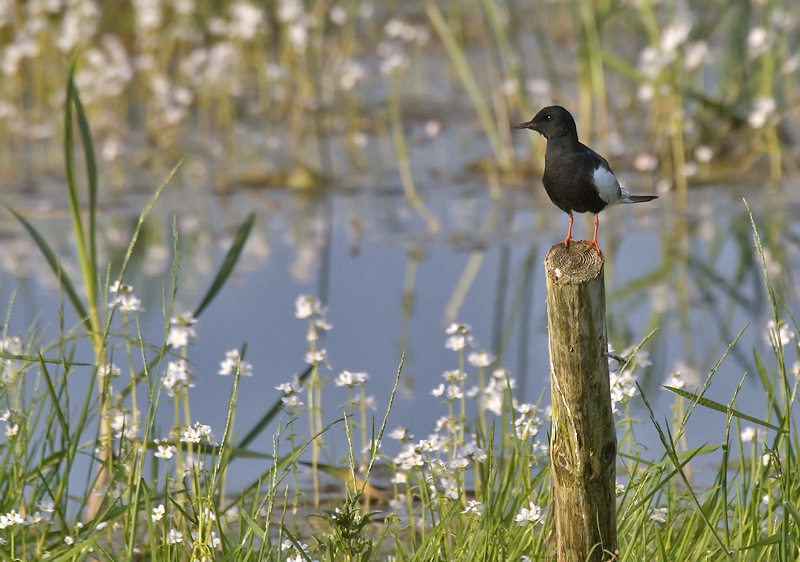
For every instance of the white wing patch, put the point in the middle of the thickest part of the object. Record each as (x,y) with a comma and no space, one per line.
(607,186)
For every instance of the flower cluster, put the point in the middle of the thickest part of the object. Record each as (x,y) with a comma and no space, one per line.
(198,433)
(291,391)
(181,333)
(10,368)
(12,427)
(234,363)
(399,34)
(297,552)
(532,514)
(177,377)
(348,379)
(622,380)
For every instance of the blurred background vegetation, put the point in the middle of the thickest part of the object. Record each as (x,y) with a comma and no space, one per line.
(292,92)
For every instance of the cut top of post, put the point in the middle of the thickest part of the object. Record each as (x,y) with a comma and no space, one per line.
(573,265)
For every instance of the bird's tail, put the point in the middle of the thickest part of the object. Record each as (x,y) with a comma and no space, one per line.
(639,198)
(628,198)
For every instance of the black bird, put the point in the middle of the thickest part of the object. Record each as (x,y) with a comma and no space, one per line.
(576,178)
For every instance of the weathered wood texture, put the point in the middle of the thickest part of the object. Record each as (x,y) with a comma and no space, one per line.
(583,443)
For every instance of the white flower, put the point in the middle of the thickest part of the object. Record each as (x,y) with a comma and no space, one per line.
(457,329)
(696,53)
(409,458)
(232,362)
(346,378)
(109,369)
(47,506)
(13,518)
(37,517)
(480,359)
(176,376)
(119,288)
(316,357)
(291,387)
(475,507)
(338,15)
(675,35)
(763,108)
(750,434)
(432,128)
(531,514)
(290,10)
(125,298)
(780,334)
(757,42)
(454,392)
(292,400)
(246,20)
(174,536)
(399,478)
(450,487)
(456,343)
(158,513)
(191,436)
(703,154)
(130,303)
(675,380)
(306,305)
(181,332)
(197,433)
(454,376)
(352,73)
(429,445)
(400,433)
(659,514)
(166,451)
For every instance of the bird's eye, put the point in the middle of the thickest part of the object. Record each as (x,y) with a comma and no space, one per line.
(548,117)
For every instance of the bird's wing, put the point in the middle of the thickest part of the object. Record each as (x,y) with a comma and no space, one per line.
(605,182)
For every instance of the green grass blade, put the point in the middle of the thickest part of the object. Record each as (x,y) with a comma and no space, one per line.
(712,405)
(252,525)
(85,242)
(760,250)
(91,170)
(54,263)
(51,389)
(69,158)
(225,270)
(768,541)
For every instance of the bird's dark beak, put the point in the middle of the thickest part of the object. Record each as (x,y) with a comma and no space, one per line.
(525,125)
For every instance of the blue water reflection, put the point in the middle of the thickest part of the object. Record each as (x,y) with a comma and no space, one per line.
(392,285)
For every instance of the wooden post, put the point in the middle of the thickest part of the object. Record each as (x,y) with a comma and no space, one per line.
(583,442)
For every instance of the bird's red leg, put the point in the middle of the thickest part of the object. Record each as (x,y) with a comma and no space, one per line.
(593,243)
(569,232)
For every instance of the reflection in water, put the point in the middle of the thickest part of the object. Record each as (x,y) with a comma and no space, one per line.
(693,278)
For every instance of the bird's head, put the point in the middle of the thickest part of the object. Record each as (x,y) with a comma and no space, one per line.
(552,121)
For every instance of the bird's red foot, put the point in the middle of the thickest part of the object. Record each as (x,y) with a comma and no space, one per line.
(593,244)
(569,239)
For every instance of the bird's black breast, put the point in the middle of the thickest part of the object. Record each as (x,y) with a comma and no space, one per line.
(568,179)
